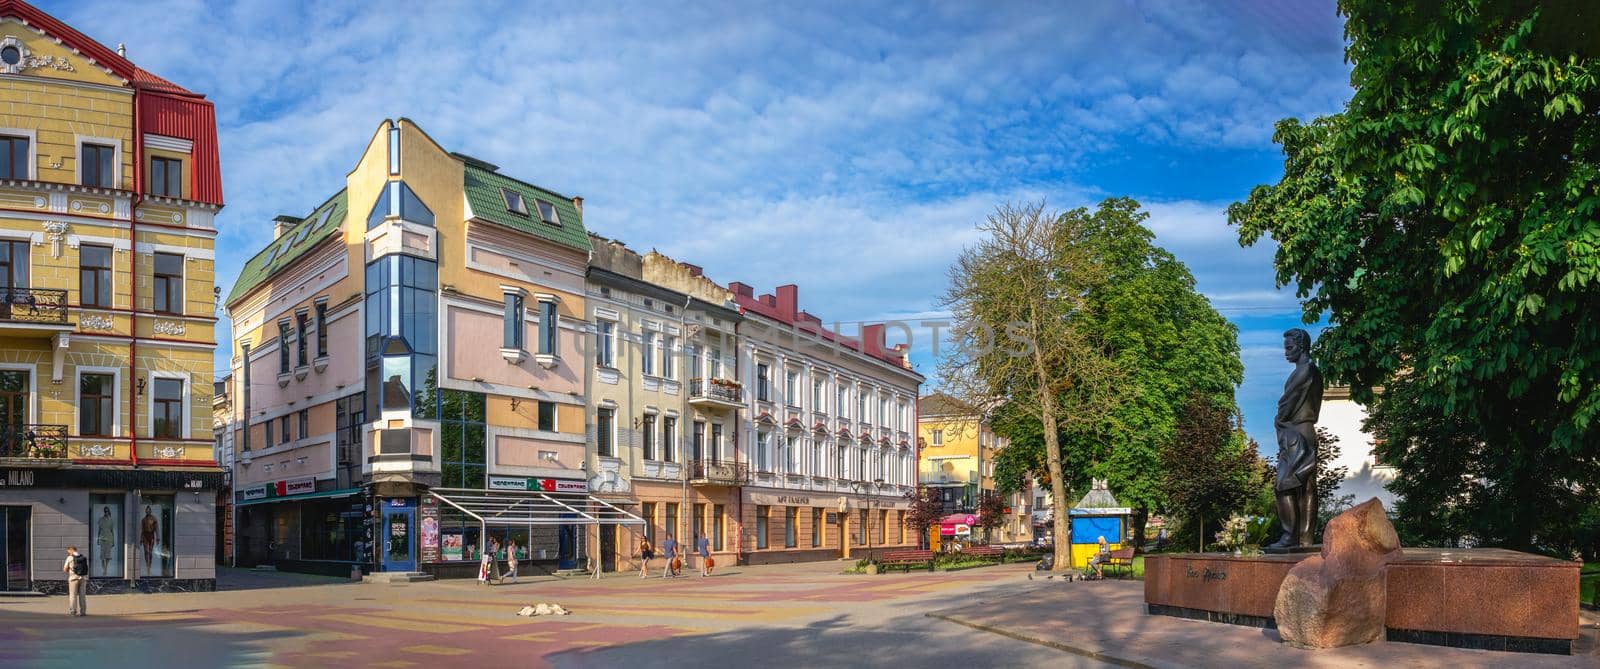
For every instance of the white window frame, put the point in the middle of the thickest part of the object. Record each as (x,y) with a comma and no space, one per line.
(77,158)
(116,397)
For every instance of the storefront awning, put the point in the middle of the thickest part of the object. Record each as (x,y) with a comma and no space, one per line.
(532,507)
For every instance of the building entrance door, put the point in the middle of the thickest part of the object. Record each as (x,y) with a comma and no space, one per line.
(399,521)
(14,548)
(608,548)
(14,414)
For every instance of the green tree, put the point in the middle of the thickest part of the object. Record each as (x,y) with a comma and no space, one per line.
(1018,300)
(1445,224)
(1211,468)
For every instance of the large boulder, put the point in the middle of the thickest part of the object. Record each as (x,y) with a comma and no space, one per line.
(1337,598)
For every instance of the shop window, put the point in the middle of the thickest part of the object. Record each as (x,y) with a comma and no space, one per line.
(94,276)
(96,404)
(167,413)
(106,551)
(789,520)
(761,527)
(717,520)
(154,555)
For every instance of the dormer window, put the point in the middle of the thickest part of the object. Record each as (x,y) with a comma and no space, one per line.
(547,213)
(514,203)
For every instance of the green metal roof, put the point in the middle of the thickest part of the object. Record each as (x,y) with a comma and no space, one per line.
(323,222)
(483,188)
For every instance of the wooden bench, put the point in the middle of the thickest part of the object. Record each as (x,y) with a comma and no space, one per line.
(907,559)
(1122,557)
(990,552)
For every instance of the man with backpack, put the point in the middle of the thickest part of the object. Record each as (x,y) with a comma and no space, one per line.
(77,570)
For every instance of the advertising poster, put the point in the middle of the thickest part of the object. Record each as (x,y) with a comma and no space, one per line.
(105,527)
(155,557)
(430,529)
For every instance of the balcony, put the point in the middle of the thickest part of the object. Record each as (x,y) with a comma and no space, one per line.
(715,393)
(718,473)
(33,306)
(34,442)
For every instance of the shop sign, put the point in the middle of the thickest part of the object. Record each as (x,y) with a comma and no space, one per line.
(539,484)
(21,478)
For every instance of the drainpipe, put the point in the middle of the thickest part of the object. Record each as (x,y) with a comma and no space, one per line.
(133,282)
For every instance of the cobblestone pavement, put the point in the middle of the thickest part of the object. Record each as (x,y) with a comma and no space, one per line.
(770,616)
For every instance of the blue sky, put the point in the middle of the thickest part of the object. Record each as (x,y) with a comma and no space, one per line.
(845,147)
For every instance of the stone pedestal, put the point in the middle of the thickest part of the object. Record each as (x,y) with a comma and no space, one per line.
(1473,598)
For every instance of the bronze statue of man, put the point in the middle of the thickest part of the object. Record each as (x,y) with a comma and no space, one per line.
(1296,425)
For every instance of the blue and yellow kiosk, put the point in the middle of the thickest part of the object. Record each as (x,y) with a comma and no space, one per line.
(1097,515)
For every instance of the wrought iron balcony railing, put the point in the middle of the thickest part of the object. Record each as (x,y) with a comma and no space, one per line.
(33,305)
(715,389)
(38,442)
(718,472)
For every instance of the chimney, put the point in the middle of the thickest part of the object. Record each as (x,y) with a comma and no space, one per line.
(872,340)
(281,224)
(577,203)
(740,289)
(788,300)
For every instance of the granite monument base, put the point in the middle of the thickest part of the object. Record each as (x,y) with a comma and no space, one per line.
(1468,598)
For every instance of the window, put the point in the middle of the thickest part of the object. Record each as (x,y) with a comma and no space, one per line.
(547,416)
(716,526)
(169,283)
(547,327)
(301,324)
(512,336)
(462,439)
(547,213)
(97,166)
(322,329)
(816,528)
(789,520)
(648,427)
(650,522)
(94,276)
(95,404)
(763,373)
(818,392)
(514,202)
(166,177)
(669,438)
(938,437)
(763,440)
(668,344)
(14,163)
(603,431)
(304,418)
(283,347)
(761,527)
(648,355)
(605,335)
(671,524)
(166,418)
(791,388)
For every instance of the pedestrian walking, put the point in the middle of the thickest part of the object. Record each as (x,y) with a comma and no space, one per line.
(646,551)
(77,570)
(511,560)
(669,550)
(703,547)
